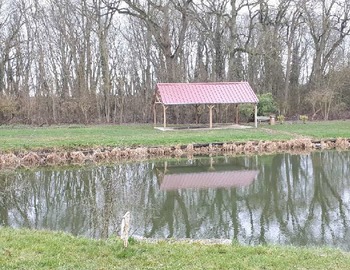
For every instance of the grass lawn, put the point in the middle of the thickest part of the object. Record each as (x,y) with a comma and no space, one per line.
(317,130)
(23,137)
(25,249)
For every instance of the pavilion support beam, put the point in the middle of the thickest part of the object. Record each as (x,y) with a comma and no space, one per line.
(164,115)
(211,115)
(237,114)
(256,115)
(154,115)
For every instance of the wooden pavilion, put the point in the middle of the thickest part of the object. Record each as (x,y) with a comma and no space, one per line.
(210,94)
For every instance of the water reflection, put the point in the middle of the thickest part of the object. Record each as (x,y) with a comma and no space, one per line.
(284,198)
(201,175)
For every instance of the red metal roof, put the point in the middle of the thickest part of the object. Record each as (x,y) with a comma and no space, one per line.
(206,93)
(223,179)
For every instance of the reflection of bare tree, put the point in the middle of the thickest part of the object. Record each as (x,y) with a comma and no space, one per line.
(4,200)
(217,208)
(294,198)
(325,202)
(333,173)
(286,207)
(23,209)
(234,213)
(106,184)
(166,215)
(293,171)
(271,199)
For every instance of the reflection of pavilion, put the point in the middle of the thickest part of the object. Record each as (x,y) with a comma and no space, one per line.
(218,176)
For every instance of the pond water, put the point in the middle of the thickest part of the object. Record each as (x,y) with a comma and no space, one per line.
(285,199)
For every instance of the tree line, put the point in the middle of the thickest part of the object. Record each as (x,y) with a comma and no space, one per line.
(98,61)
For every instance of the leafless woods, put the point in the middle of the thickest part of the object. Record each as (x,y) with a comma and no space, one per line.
(97,61)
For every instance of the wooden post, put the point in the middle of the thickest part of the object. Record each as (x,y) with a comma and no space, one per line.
(237,114)
(125,227)
(256,115)
(164,113)
(154,114)
(211,115)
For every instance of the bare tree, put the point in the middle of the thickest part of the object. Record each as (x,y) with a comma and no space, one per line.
(292,24)
(239,39)
(328,23)
(103,17)
(167,28)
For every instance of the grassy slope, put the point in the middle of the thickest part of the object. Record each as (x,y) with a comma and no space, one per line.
(145,135)
(25,249)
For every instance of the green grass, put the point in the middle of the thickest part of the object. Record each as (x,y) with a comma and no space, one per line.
(317,130)
(22,137)
(26,249)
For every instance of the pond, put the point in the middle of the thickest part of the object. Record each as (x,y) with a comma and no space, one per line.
(285,199)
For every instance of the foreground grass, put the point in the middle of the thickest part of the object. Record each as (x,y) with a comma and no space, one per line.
(25,249)
(17,138)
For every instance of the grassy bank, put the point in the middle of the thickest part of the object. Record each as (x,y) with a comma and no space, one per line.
(18,138)
(317,130)
(25,249)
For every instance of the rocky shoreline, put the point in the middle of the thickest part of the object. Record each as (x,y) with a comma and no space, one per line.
(54,157)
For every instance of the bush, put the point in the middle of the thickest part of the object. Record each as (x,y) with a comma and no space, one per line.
(281,119)
(267,105)
(7,109)
(246,112)
(303,118)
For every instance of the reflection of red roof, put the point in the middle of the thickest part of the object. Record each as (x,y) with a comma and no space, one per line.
(221,179)
(206,93)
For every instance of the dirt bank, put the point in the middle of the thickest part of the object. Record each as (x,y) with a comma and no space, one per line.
(82,156)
